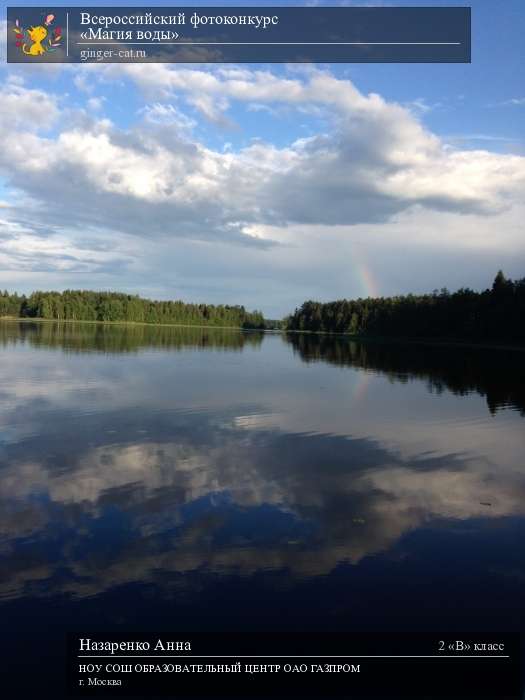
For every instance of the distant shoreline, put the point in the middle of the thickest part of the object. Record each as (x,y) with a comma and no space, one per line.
(26,319)
(444,342)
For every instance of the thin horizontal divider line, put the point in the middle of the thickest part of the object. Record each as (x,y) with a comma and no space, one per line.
(288,656)
(271,43)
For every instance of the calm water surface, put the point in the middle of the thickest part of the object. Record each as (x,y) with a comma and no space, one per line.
(156,477)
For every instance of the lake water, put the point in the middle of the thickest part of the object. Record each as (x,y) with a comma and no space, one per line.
(213,479)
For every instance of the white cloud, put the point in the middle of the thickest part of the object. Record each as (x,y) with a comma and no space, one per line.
(22,107)
(167,114)
(377,160)
(95,104)
(373,164)
(515,101)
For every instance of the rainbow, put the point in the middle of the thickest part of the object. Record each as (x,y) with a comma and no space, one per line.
(369,286)
(360,388)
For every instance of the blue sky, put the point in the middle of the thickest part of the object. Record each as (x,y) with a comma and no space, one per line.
(268,184)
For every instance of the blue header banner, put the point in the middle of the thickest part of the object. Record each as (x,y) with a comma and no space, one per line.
(238,35)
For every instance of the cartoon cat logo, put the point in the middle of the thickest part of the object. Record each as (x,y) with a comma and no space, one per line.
(33,42)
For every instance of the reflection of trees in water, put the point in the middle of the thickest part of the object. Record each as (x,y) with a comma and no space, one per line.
(107,338)
(499,375)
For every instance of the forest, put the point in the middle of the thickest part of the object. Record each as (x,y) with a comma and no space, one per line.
(81,305)
(497,313)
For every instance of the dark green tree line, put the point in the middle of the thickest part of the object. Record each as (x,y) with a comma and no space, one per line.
(496,313)
(79,305)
